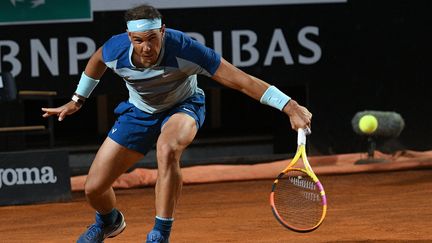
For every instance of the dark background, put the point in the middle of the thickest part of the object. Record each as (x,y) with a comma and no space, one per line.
(375,56)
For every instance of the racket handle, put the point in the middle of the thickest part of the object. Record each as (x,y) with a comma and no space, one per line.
(301,136)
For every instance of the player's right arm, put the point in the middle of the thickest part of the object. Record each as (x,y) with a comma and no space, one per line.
(94,70)
(223,72)
(232,77)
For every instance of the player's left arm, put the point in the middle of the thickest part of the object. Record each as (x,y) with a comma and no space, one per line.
(232,77)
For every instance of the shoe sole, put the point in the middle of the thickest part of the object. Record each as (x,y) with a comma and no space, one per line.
(119,229)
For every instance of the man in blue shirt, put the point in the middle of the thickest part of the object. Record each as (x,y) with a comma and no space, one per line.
(165,106)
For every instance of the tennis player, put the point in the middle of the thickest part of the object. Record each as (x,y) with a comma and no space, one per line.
(159,67)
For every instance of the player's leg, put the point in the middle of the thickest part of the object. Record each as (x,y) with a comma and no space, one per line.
(179,129)
(133,135)
(177,133)
(110,162)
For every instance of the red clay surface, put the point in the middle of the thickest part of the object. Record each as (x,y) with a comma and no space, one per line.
(372,207)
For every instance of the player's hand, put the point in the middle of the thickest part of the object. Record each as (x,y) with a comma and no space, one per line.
(299,116)
(62,111)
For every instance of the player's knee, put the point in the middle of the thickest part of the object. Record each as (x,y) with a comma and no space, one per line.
(168,153)
(92,190)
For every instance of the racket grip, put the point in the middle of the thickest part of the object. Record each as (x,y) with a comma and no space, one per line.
(301,136)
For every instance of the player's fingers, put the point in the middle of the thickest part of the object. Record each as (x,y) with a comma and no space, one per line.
(62,115)
(306,126)
(308,115)
(49,112)
(308,121)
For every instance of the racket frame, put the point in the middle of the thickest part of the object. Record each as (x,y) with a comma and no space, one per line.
(301,153)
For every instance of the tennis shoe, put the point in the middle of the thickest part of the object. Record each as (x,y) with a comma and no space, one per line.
(97,232)
(156,237)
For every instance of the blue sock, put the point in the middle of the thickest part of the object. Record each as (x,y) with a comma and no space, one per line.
(163,225)
(110,217)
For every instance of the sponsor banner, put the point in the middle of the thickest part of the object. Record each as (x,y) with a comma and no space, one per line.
(295,41)
(34,177)
(115,5)
(44,11)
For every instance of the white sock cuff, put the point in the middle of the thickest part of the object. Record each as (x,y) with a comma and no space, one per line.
(165,219)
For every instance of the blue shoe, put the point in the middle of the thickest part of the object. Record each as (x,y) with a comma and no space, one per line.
(97,232)
(156,237)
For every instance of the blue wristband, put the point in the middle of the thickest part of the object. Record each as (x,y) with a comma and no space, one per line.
(86,85)
(274,98)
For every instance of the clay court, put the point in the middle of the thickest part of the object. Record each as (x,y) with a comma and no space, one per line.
(342,60)
(363,207)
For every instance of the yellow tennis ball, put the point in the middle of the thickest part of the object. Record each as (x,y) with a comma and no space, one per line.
(368,124)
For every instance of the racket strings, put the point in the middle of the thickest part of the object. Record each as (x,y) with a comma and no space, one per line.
(298,200)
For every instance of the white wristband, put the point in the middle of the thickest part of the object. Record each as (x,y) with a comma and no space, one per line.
(78,100)
(275,98)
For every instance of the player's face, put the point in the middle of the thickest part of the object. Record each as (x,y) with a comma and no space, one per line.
(147,46)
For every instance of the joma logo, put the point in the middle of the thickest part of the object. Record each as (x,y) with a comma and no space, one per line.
(25,176)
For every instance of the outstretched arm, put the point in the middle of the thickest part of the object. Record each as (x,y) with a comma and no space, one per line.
(94,70)
(96,67)
(232,77)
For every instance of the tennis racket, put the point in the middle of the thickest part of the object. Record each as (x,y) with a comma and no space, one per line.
(297,199)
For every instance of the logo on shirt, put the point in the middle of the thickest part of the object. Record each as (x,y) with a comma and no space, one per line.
(113,130)
(186,109)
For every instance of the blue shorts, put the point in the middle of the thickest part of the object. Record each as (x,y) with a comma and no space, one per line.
(139,130)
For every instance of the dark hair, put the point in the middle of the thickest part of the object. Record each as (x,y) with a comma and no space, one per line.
(142,12)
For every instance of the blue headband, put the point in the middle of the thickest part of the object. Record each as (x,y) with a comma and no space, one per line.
(141,25)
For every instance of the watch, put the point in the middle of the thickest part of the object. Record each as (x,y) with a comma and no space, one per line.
(79,100)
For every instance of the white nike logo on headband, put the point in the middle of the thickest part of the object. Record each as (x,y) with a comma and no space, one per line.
(144,24)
